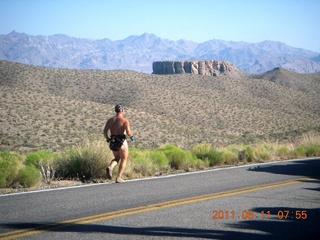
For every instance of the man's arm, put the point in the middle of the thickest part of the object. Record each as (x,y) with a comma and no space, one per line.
(106,128)
(128,130)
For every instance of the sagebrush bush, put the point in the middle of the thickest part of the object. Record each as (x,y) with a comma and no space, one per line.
(229,156)
(312,150)
(45,162)
(28,176)
(139,163)
(249,157)
(262,152)
(88,161)
(311,138)
(214,157)
(33,158)
(178,158)
(309,145)
(143,166)
(299,152)
(200,149)
(248,154)
(283,152)
(10,163)
(160,160)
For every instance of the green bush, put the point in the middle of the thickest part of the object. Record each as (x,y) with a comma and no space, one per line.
(312,150)
(229,156)
(63,170)
(299,152)
(246,155)
(283,152)
(160,160)
(139,163)
(265,156)
(28,176)
(34,158)
(214,157)
(249,154)
(45,163)
(178,158)
(143,166)
(263,152)
(9,168)
(201,149)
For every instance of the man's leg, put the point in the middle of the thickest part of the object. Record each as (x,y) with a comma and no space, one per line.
(124,152)
(113,163)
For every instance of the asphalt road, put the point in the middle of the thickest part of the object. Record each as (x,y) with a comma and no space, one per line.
(278,200)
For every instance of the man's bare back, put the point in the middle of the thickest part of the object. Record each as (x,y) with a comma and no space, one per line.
(118,127)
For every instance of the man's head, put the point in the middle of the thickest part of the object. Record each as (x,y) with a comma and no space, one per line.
(118,108)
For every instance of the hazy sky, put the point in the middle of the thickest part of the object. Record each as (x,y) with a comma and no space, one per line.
(294,22)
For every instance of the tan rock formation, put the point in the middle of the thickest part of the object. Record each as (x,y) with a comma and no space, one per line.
(201,67)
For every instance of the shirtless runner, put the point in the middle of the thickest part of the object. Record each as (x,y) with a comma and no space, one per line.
(119,127)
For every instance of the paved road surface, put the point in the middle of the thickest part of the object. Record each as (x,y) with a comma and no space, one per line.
(278,200)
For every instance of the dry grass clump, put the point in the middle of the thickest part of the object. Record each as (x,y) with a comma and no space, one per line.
(311,138)
(87,161)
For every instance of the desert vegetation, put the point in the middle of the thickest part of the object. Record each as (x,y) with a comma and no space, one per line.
(55,110)
(88,160)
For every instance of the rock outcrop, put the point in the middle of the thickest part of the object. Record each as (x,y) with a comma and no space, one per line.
(200,67)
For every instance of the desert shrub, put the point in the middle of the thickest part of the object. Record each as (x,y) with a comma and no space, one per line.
(63,161)
(201,149)
(28,176)
(246,155)
(263,152)
(263,155)
(283,152)
(308,145)
(210,157)
(249,154)
(9,168)
(312,150)
(45,163)
(178,158)
(87,161)
(229,156)
(299,152)
(143,166)
(214,157)
(149,162)
(33,158)
(195,163)
(160,160)
(139,163)
(309,139)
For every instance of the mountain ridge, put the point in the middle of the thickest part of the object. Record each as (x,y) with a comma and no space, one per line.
(139,52)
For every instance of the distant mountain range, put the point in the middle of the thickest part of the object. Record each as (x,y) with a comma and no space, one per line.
(139,52)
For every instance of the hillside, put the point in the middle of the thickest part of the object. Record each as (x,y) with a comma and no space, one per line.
(49,108)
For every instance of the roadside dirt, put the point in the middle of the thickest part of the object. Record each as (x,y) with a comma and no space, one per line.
(44,186)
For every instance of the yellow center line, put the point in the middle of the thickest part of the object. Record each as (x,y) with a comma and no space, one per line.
(145,208)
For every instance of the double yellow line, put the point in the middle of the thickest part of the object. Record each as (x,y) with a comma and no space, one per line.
(146,208)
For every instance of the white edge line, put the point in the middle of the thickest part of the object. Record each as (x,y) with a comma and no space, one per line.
(158,177)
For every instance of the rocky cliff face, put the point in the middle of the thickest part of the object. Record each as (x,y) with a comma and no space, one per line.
(205,67)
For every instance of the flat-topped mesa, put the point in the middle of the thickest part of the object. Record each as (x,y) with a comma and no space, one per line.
(200,67)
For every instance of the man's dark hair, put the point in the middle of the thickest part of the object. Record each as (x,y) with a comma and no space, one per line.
(118,108)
